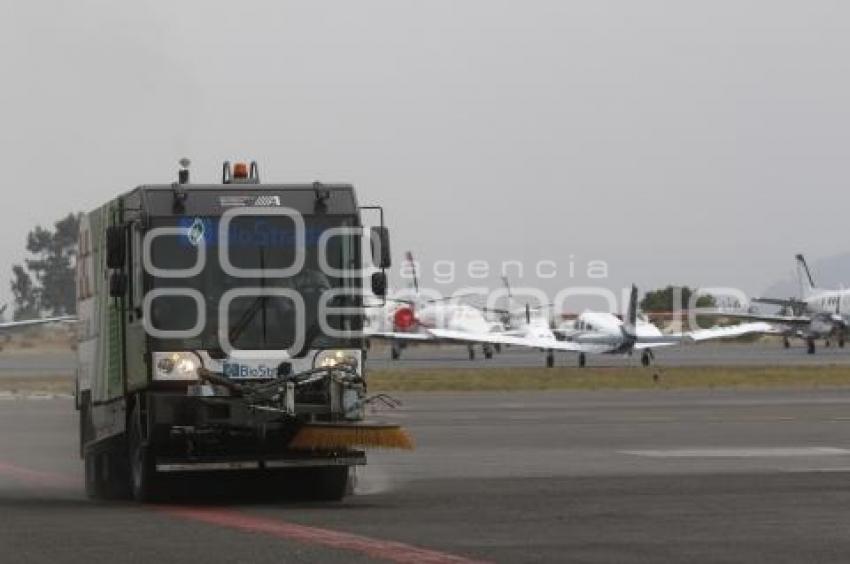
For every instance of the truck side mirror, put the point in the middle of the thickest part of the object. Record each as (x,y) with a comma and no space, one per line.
(117,285)
(380,242)
(379,284)
(116,246)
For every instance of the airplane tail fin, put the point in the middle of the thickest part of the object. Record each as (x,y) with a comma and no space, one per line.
(408,256)
(806,281)
(507,284)
(630,325)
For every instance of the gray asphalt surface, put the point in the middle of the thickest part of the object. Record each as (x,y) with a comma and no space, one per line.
(698,476)
(32,362)
(704,354)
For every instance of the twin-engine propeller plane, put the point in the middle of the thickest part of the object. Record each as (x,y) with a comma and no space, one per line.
(605,333)
(819,314)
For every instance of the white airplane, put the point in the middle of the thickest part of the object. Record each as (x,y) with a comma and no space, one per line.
(605,333)
(528,322)
(820,314)
(418,320)
(447,321)
(10,326)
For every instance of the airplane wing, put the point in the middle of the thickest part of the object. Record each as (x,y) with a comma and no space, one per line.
(502,339)
(396,336)
(640,346)
(780,302)
(12,325)
(730,331)
(768,318)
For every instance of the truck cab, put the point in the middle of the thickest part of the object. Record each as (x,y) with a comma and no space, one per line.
(221,329)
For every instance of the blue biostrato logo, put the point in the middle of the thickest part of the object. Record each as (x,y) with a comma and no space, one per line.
(252,233)
(236,370)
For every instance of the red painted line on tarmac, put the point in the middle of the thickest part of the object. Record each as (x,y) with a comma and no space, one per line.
(381,549)
(391,551)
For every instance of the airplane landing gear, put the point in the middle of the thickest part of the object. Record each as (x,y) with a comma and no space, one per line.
(582,360)
(550,359)
(810,346)
(646,358)
(471,352)
(395,351)
(488,351)
(841,341)
(786,343)
(498,348)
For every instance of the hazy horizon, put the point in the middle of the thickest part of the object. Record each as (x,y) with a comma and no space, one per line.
(680,142)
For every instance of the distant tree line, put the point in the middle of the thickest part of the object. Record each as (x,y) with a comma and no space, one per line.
(45,284)
(664,299)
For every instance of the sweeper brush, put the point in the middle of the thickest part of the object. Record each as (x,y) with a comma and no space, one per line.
(330,436)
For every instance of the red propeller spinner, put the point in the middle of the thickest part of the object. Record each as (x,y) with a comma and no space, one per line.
(404,319)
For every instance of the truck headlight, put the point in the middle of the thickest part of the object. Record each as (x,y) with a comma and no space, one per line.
(338,358)
(176,366)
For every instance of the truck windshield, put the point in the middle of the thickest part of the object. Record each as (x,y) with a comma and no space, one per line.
(261,243)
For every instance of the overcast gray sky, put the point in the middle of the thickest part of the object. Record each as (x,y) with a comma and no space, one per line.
(690,142)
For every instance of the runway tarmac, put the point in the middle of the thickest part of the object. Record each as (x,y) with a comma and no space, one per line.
(704,354)
(652,476)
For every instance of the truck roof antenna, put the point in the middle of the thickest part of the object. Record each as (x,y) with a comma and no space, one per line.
(183,173)
(322,195)
(180,194)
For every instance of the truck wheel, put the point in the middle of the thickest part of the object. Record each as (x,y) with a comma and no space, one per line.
(329,483)
(142,466)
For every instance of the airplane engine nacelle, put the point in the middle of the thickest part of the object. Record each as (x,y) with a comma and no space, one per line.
(403,319)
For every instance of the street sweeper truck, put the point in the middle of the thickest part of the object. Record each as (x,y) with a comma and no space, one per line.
(220,330)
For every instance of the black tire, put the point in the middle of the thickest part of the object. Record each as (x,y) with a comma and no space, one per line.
(471,353)
(329,483)
(144,485)
(550,359)
(786,343)
(488,352)
(810,346)
(582,360)
(395,352)
(106,474)
(645,359)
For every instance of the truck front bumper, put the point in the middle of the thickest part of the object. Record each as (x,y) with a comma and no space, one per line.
(189,434)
